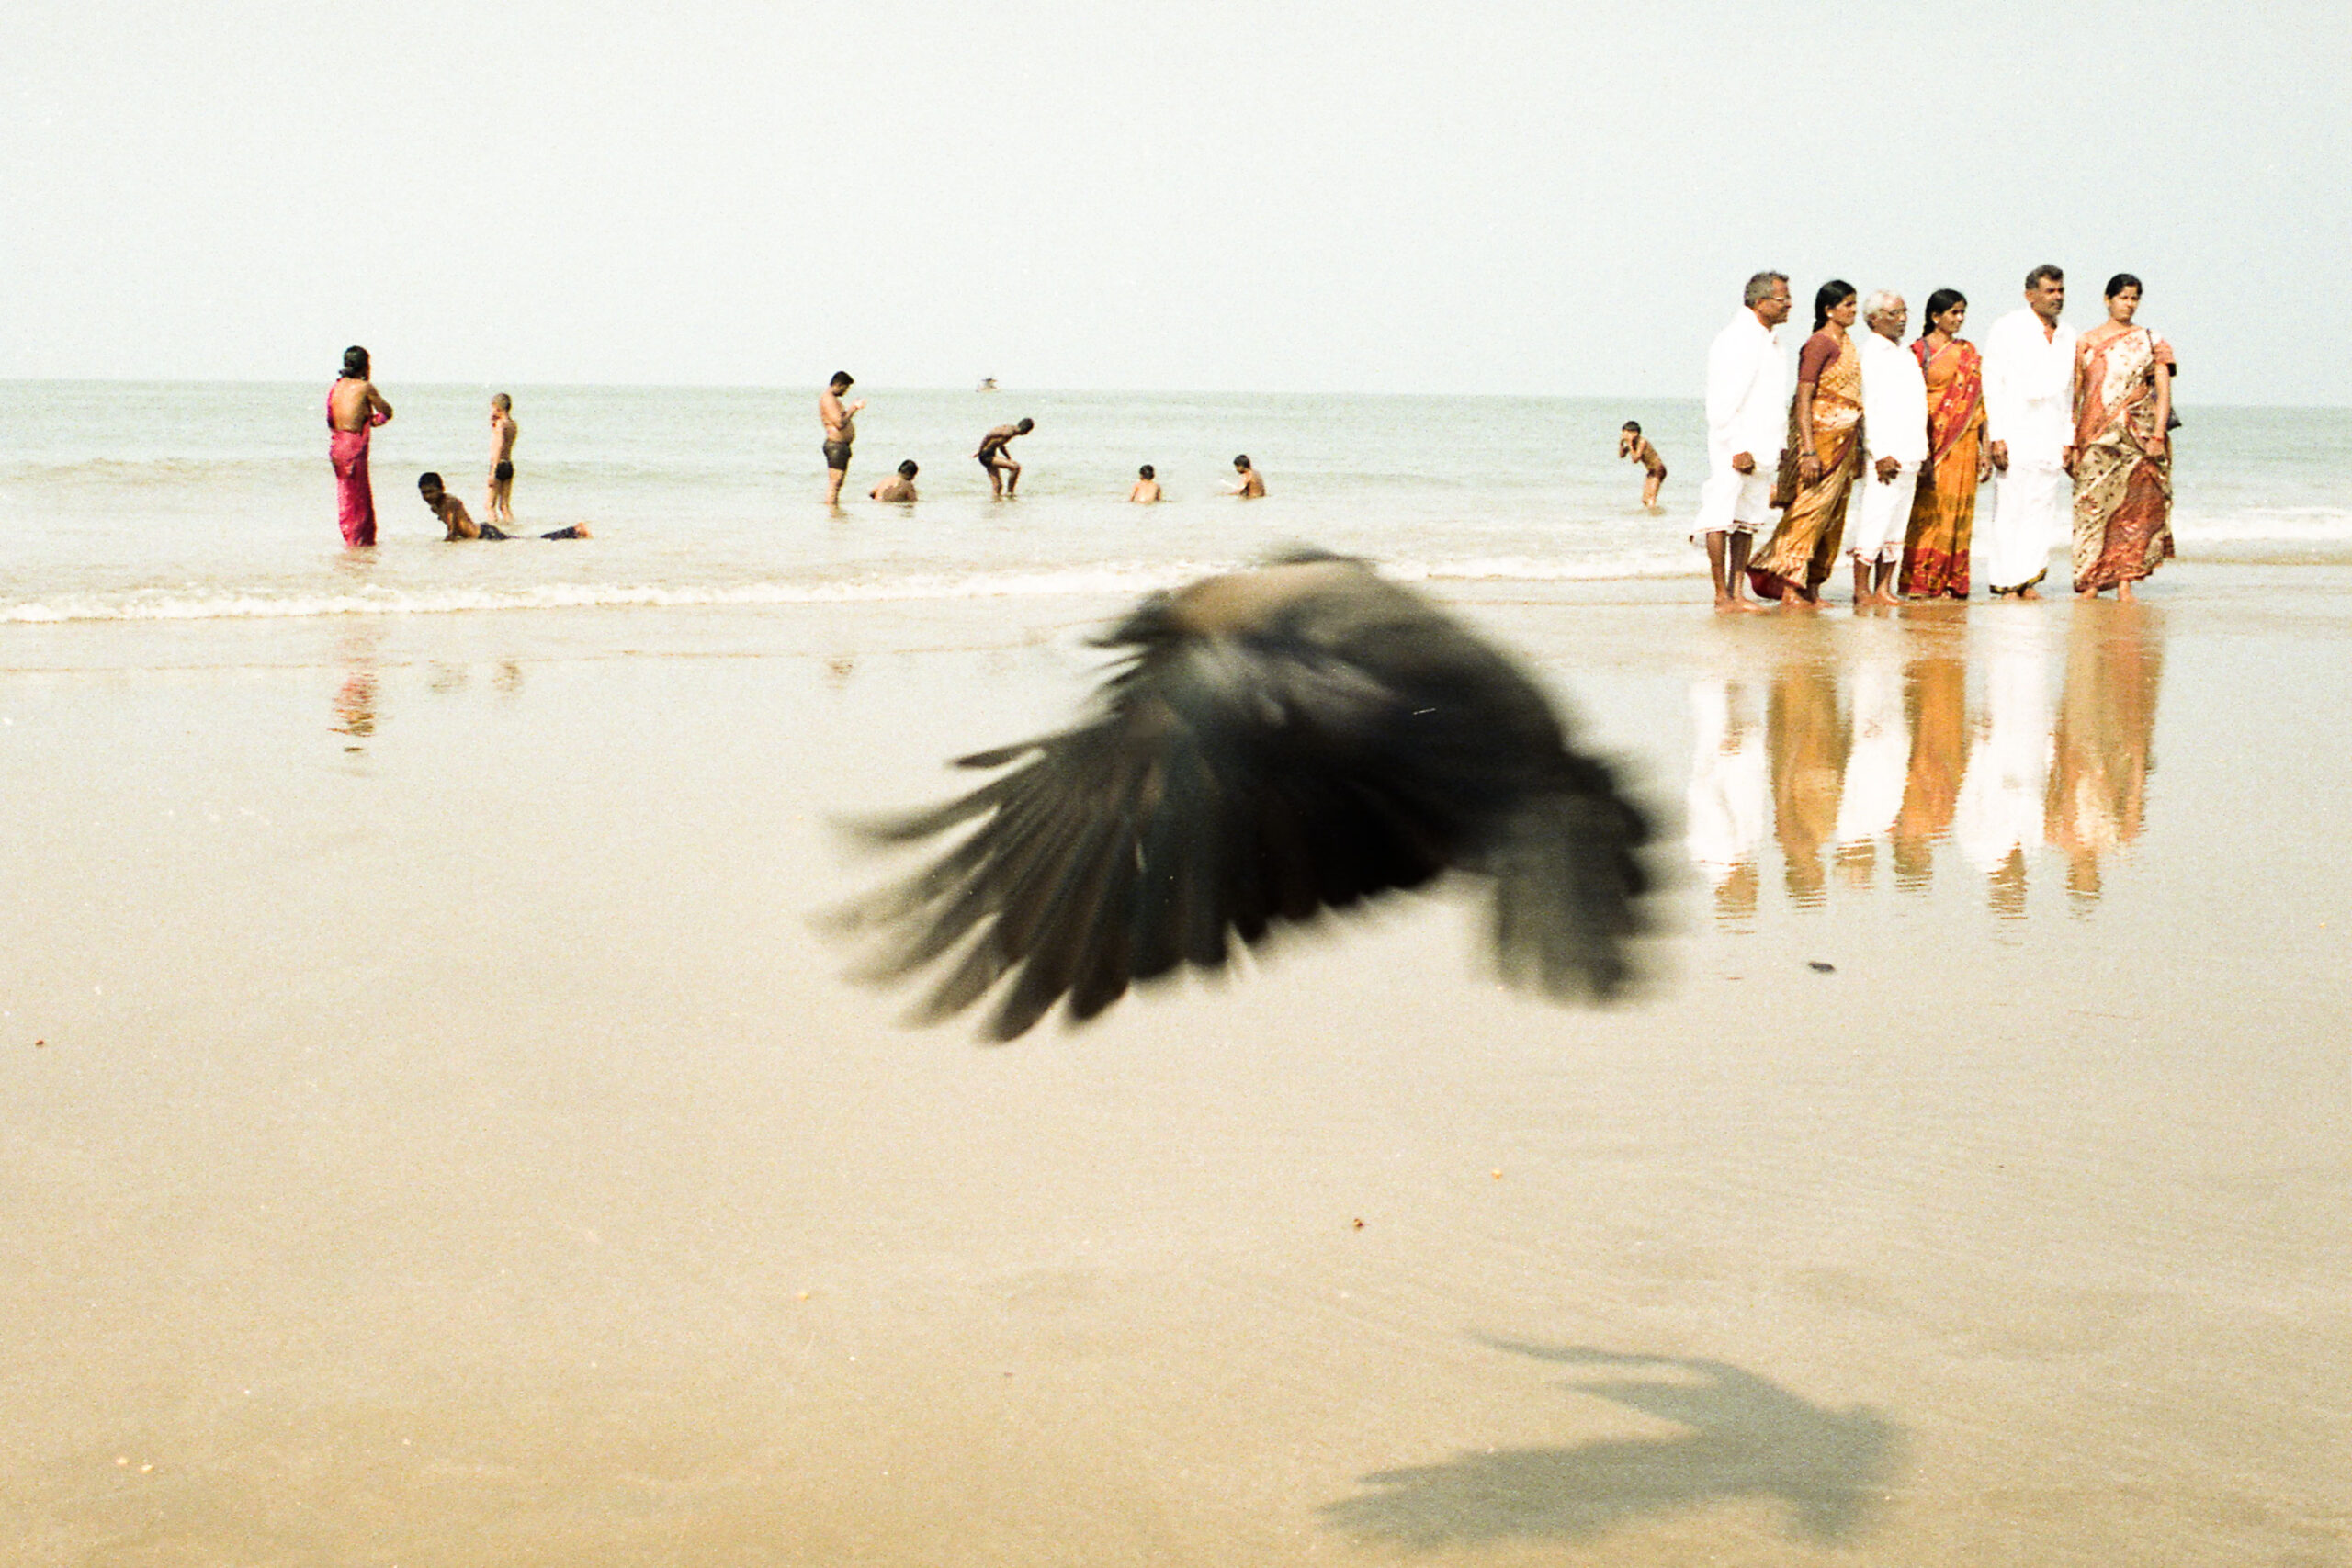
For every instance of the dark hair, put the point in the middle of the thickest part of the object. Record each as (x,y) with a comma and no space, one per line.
(433,479)
(843,378)
(907,469)
(1241,461)
(2121,281)
(1634,426)
(1942,300)
(1025,426)
(1145,472)
(1827,298)
(354,364)
(2054,274)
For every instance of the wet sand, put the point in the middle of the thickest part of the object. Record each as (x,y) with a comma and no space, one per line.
(432,1133)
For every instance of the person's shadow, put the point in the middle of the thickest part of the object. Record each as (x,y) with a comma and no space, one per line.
(1747,1437)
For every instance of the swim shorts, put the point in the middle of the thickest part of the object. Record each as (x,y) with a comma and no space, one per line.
(837,456)
(503,472)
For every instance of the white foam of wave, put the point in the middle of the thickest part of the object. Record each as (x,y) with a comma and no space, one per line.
(1125,580)
(2280,525)
(1117,580)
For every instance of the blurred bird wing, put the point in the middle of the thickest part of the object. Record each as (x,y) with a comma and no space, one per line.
(1228,783)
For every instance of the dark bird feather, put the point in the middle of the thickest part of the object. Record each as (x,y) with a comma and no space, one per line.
(1276,743)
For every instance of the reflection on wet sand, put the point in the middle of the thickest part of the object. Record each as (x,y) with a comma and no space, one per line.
(355,699)
(2107,725)
(1868,735)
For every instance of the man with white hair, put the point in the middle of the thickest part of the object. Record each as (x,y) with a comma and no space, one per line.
(2030,419)
(1894,443)
(1746,410)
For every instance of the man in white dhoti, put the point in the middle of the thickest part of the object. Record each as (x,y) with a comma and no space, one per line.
(2030,419)
(1894,443)
(1748,409)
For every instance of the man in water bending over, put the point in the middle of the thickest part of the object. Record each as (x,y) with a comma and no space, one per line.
(460,525)
(1147,488)
(498,506)
(1251,487)
(1632,444)
(899,486)
(1003,473)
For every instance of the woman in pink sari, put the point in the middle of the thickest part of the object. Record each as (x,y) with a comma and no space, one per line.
(2121,458)
(354,410)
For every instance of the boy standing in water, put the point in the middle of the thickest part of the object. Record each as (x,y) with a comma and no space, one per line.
(1251,487)
(460,524)
(499,506)
(996,457)
(1147,485)
(1633,444)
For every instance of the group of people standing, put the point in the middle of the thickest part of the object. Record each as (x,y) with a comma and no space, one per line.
(1917,430)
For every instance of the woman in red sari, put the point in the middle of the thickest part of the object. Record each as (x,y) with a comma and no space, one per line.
(1825,452)
(2122,459)
(1943,517)
(354,411)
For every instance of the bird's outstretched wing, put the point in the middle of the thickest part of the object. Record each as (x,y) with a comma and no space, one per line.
(1230,782)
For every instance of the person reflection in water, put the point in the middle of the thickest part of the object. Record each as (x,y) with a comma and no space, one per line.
(1730,798)
(2107,723)
(1809,743)
(1937,706)
(1999,816)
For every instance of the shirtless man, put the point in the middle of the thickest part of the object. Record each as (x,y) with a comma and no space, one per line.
(901,487)
(1147,488)
(1251,487)
(461,525)
(1632,444)
(841,430)
(1003,473)
(499,506)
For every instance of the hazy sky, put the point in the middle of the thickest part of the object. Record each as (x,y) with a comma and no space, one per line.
(1535,198)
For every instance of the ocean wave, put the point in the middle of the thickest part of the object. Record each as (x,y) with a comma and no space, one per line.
(1111,580)
(2257,525)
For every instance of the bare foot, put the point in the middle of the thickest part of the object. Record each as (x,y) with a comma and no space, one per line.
(2123,594)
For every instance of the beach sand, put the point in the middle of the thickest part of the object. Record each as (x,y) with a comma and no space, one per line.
(432,1133)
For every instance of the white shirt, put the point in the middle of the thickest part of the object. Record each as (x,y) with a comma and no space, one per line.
(1894,402)
(2029,388)
(1747,381)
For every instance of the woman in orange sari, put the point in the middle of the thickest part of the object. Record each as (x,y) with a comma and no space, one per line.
(1823,454)
(1943,517)
(2122,459)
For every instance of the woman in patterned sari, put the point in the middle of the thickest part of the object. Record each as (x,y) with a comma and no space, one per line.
(1825,452)
(2121,460)
(1943,517)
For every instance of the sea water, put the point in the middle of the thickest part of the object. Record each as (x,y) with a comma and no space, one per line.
(121,501)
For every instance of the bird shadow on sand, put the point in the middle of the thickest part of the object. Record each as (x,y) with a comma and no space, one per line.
(1747,1438)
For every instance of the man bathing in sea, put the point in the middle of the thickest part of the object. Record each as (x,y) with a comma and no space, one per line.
(460,525)
(1632,444)
(1147,488)
(841,430)
(499,506)
(1251,487)
(901,486)
(1003,473)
